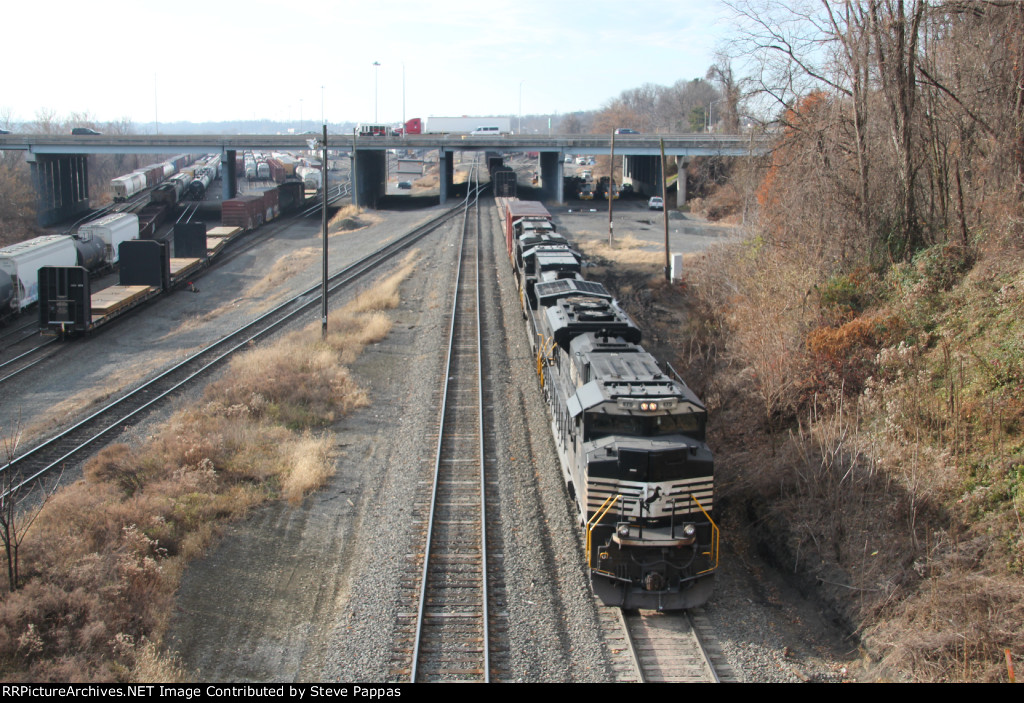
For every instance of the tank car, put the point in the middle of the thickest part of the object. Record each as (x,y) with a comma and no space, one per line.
(110,231)
(201,181)
(310,177)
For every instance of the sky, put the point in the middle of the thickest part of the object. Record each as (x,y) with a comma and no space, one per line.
(219,60)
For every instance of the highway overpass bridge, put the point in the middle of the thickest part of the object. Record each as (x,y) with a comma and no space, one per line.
(60,170)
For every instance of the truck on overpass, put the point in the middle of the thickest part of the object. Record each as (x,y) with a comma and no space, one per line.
(456,125)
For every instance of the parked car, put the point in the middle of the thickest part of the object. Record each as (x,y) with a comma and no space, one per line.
(4,131)
(85,131)
(626,130)
(405,185)
(655,203)
(626,188)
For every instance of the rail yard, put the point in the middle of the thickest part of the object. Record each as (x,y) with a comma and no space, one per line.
(329,590)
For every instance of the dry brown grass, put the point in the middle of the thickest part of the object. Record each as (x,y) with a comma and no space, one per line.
(104,558)
(347,219)
(384,294)
(311,462)
(626,250)
(282,271)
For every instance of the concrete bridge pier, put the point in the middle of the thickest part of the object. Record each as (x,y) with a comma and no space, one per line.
(552,184)
(681,163)
(229,175)
(445,172)
(62,186)
(644,172)
(371,177)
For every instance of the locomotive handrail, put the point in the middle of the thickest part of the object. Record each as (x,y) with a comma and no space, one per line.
(606,506)
(713,554)
(540,356)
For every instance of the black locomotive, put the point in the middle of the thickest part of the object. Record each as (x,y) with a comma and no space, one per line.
(630,437)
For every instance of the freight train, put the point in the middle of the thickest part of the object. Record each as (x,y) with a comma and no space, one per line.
(150,176)
(94,248)
(69,307)
(630,437)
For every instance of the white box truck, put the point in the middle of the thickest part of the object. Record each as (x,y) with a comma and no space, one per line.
(465,125)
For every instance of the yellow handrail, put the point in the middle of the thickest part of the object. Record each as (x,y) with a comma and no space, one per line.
(607,505)
(540,357)
(714,538)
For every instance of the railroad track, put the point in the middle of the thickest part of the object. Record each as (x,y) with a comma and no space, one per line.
(444,631)
(89,434)
(11,368)
(668,648)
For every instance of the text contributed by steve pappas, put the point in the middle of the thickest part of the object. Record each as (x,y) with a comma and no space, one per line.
(206,691)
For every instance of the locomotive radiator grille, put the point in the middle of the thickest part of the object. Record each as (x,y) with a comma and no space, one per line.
(668,494)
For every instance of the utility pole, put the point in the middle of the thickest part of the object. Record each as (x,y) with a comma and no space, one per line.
(323,292)
(680,183)
(608,191)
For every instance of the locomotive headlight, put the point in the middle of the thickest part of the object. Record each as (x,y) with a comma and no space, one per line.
(648,406)
(689,530)
(623,530)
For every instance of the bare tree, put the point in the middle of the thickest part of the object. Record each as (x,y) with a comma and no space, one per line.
(21,502)
(894,28)
(684,106)
(721,73)
(571,124)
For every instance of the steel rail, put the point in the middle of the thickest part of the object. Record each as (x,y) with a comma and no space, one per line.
(483,458)
(672,645)
(26,367)
(709,666)
(438,456)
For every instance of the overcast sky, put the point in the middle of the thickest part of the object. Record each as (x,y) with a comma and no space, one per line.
(227,59)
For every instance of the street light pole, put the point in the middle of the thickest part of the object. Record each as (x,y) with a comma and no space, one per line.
(521,106)
(376,72)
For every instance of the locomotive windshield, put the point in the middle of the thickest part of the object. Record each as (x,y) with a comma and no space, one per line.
(598,425)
